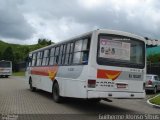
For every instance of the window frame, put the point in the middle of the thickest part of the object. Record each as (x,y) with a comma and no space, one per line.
(35,59)
(39,58)
(52,55)
(45,58)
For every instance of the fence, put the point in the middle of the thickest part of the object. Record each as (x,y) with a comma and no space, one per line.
(153,68)
(19,66)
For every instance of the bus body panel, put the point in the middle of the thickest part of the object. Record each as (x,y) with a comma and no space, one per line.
(127,76)
(132,77)
(71,79)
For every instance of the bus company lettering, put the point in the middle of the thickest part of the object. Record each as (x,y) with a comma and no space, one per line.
(134,76)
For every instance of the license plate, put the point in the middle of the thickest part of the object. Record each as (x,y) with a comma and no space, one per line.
(121,85)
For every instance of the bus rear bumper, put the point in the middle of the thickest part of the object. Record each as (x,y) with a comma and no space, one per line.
(100,94)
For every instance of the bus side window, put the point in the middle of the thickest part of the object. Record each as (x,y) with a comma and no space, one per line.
(38,55)
(67,54)
(52,52)
(39,58)
(81,51)
(60,54)
(85,49)
(71,53)
(45,58)
(56,55)
(34,56)
(77,52)
(63,54)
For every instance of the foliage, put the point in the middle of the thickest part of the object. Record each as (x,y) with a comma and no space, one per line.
(8,54)
(0,54)
(156,100)
(18,74)
(154,58)
(43,41)
(18,53)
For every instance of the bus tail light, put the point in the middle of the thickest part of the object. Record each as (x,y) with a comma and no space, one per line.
(149,82)
(91,83)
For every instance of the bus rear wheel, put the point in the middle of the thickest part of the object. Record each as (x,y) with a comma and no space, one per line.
(56,93)
(33,89)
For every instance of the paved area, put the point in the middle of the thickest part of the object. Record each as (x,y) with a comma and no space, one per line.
(16,98)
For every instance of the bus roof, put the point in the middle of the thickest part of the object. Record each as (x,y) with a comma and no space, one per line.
(117,32)
(64,41)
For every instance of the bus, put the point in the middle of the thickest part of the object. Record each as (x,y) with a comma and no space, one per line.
(5,68)
(100,64)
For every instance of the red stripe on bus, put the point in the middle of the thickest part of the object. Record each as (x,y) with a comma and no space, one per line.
(45,71)
(39,73)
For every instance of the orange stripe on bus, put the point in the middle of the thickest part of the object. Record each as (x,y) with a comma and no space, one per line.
(108,74)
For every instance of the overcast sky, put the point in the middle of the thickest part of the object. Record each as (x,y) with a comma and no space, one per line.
(24,21)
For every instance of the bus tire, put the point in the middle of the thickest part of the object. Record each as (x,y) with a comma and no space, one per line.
(56,93)
(33,89)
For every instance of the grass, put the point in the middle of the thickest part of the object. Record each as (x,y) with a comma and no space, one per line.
(156,100)
(18,74)
(151,95)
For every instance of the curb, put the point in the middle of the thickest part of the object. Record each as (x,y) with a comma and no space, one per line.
(154,105)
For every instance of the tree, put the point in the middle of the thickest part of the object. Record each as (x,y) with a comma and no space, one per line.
(17,57)
(0,55)
(43,41)
(154,58)
(24,52)
(8,54)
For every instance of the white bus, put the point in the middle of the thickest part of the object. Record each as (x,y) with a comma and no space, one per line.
(96,65)
(5,68)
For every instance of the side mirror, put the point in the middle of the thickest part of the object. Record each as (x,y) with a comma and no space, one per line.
(28,61)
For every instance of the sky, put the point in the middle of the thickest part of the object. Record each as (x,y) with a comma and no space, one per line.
(25,21)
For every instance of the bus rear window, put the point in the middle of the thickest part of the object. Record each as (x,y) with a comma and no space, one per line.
(115,50)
